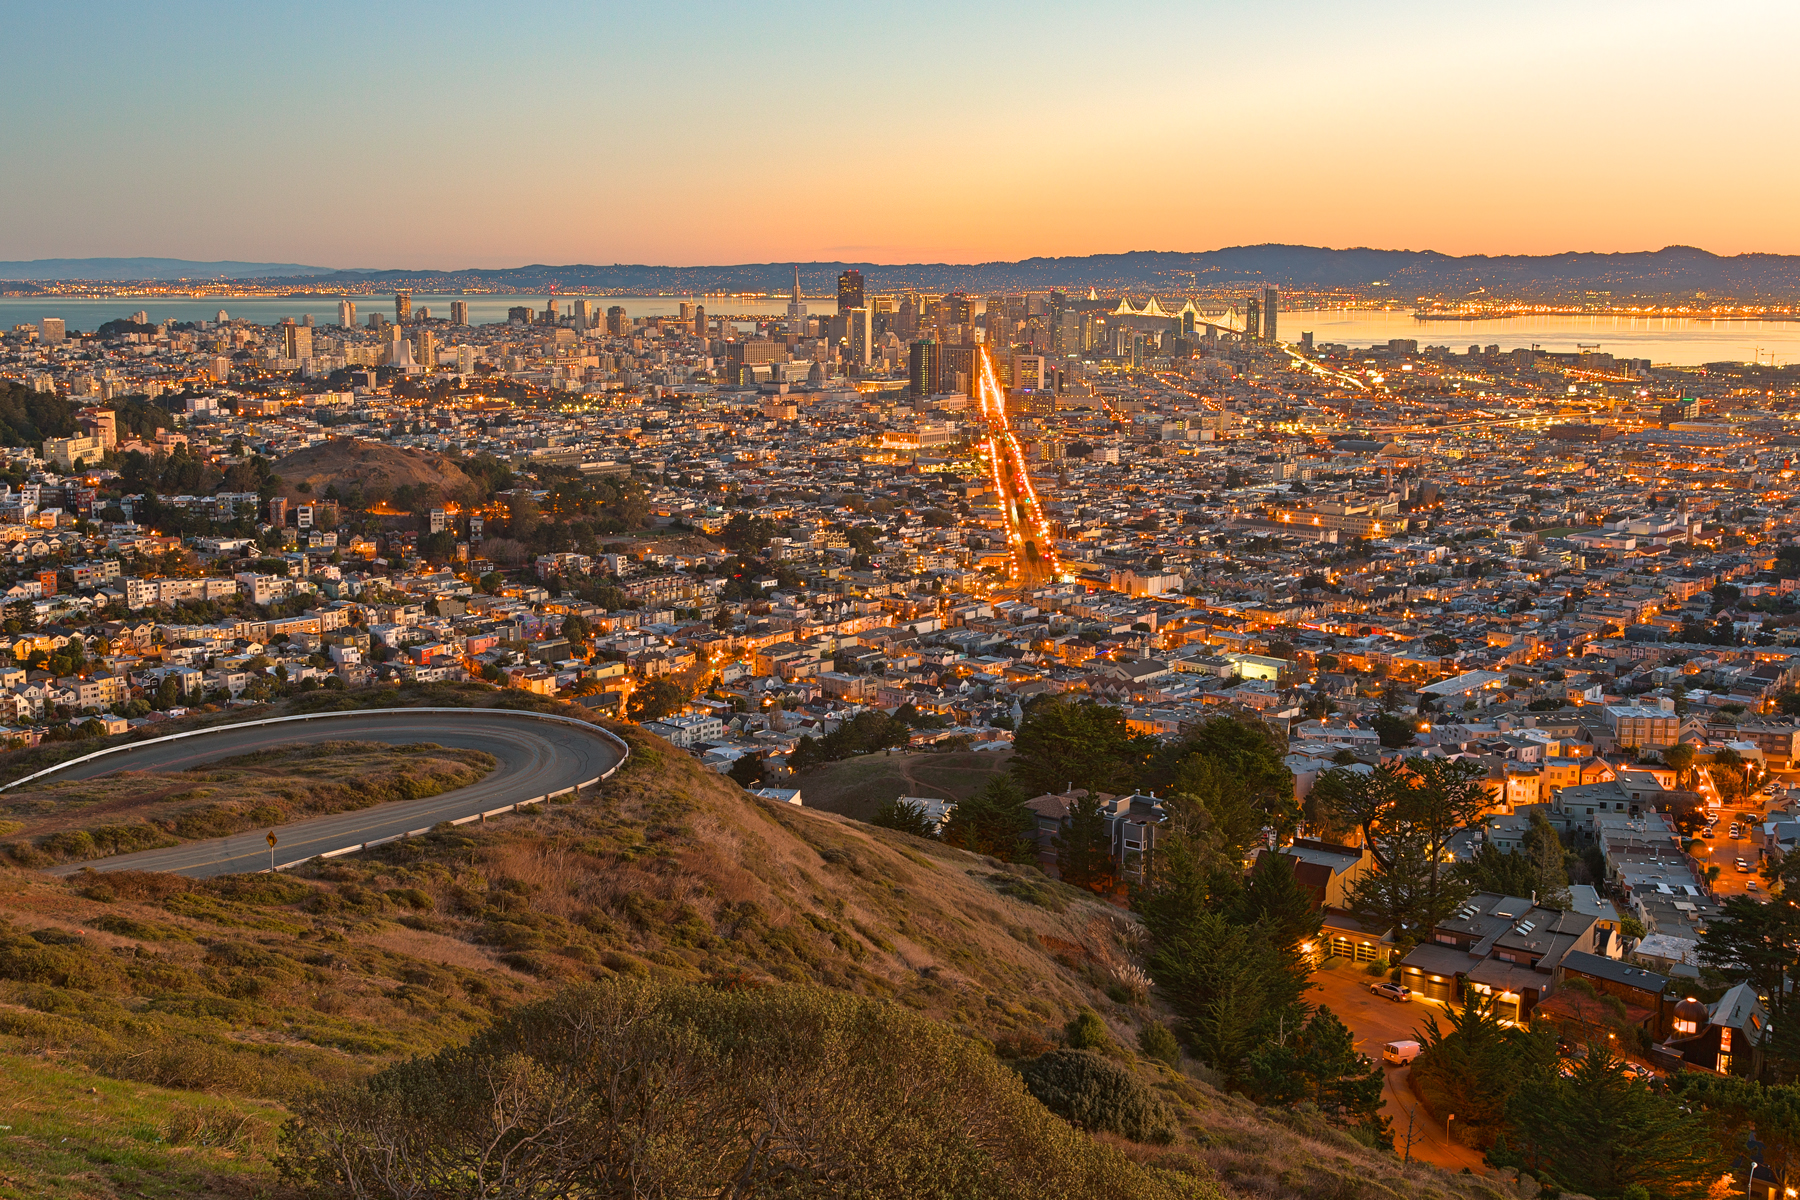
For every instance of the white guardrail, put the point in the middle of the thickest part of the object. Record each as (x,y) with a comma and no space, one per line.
(624,754)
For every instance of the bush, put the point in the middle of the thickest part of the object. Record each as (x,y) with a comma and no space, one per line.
(699,1091)
(1094,1094)
(1158,1042)
(1087,1032)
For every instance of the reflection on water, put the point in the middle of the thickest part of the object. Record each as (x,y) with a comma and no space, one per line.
(1673,340)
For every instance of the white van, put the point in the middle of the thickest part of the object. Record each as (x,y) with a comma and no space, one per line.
(1399,1053)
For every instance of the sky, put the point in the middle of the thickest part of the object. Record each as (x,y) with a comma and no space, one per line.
(484,135)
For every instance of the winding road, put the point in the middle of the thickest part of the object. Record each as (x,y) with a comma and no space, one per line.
(540,756)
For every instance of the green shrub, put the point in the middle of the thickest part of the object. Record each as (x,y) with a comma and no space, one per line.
(1156,1041)
(1092,1093)
(774,1091)
(1087,1032)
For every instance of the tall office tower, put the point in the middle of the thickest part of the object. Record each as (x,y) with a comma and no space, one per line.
(906,320)
(51,330)
(459,312)
(465,360)
(958,309)
(1137,349)
(346,312)
(296,341)
(617,323)
(402,307)
(796,312)
(307,321)
(850,291)
(700,321)
(859,333)
(583,312)
(550,311)
(426,350)
(922,367)
(1187,326)
(1270,306)
(376,320)
(1252,320)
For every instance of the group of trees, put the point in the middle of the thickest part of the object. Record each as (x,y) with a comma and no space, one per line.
(1407,811)
(865,733)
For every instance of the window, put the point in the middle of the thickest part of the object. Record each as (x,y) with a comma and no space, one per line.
(1686,1028)
(1725,1038)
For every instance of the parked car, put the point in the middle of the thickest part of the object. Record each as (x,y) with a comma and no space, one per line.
(1750,885)
(1743,868)
(1639,1071)
(1399,1053)
(1392,990)
(1735,833)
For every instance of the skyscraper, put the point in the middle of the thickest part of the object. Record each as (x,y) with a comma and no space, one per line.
(50,329)
(459,312)
(796,312)
(583,312)
(617,323)
(346,312)
(922,367)
(296,341)
(850,291)
(1252,320)
(550,315)
(402,308)
(700,321)
(1270,306)
(860,334)
(426,351)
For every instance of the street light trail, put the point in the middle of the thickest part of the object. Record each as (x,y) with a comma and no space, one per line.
(1027,532)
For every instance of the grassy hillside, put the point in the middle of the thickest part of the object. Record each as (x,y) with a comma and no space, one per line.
(163,1025)
(856,787)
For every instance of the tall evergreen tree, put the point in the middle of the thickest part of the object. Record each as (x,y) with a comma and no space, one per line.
(1603,1134)
(1084,848)
(995,822)
(1319,1063)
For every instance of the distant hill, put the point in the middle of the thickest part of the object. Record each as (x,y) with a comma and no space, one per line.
(367,467)
(51,270)
(1673,270)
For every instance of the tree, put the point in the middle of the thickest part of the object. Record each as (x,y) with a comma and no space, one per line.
(576,629)
(1319,1063)
(1759,943)
(747,772)
(1064,744)
(1084,848)
(995,822)
(1605,1134)
(658,698)
(1408,812)
(1472,1065)
(1396,732)
(1680,759)
(1234,767)
(905,817)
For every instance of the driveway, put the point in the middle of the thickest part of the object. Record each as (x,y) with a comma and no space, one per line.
(1375,1020)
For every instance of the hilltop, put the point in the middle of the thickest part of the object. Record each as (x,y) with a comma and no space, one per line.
(368,467)
(162,1026)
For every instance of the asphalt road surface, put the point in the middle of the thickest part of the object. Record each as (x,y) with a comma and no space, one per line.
(536,758)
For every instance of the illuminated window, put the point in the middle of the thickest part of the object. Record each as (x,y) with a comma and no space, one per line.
(1725,1039)
(1686,1028)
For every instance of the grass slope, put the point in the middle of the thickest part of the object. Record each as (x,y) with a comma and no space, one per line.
(197,1008)
(857,787)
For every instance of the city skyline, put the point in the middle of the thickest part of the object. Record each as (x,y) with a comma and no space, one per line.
(487,139)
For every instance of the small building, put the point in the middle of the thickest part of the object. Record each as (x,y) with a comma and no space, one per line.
(1726,1037)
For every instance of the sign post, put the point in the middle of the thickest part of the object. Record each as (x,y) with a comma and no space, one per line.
(271,840)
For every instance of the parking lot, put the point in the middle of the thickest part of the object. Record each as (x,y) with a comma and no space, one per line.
(1373,1020)
(1722,850)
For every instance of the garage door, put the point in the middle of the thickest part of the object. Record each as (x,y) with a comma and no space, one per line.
(1442,988)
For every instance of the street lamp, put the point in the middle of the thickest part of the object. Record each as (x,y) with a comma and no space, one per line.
(1451,1117)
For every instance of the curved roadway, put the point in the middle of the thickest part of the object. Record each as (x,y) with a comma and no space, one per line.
(538,758)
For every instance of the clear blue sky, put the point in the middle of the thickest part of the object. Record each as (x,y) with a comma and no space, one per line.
(491,134)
